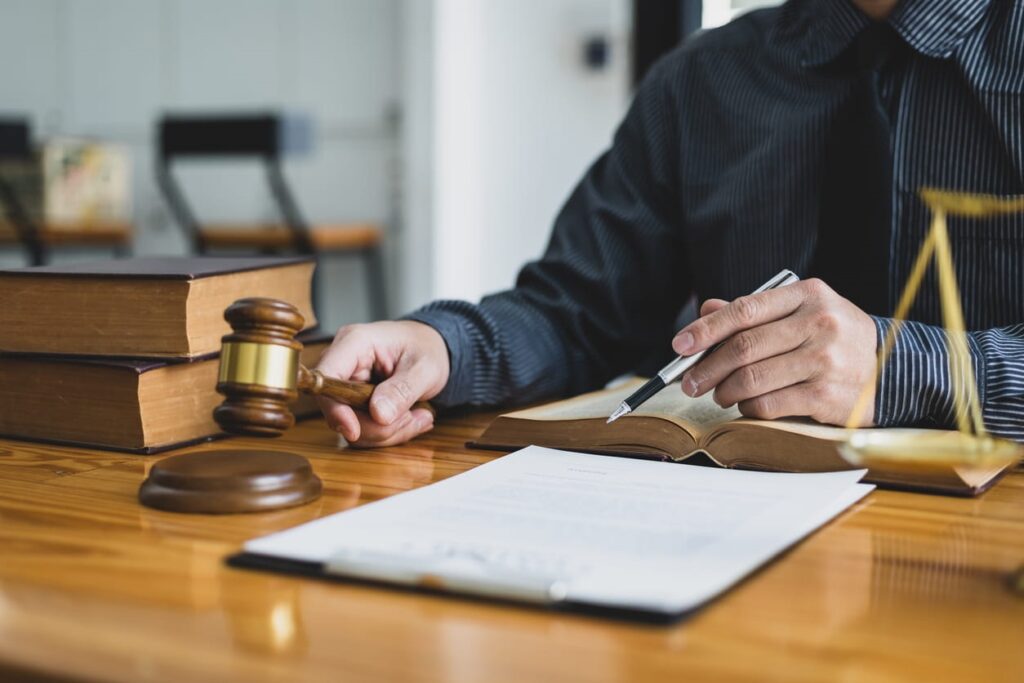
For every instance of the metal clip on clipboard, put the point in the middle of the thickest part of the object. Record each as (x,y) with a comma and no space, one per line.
(453,573)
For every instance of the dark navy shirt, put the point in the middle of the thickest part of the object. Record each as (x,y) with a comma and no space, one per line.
(713,183)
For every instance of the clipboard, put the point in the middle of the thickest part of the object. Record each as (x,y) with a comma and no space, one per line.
(418,541)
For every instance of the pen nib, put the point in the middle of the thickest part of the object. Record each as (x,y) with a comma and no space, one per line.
(619,412)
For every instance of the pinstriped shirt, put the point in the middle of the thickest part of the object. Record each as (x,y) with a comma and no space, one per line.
(712,184)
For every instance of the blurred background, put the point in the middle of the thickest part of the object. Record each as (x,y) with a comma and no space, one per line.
(421,148)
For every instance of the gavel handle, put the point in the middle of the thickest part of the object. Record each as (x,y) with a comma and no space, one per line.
(355,394)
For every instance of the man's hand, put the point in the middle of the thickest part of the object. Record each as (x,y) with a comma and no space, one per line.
(414,359)
(799,350)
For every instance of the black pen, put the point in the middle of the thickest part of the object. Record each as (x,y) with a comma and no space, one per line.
(677,367)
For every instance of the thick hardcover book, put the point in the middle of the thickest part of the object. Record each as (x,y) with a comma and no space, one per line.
(129,405)
(167,307)
(672,426)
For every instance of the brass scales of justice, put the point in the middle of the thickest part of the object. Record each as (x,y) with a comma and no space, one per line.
(970,445)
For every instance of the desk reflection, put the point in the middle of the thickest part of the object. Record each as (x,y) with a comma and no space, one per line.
(958,565)
(264,614)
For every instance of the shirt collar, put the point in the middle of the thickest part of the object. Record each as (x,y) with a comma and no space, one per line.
(823,29)
(936,28)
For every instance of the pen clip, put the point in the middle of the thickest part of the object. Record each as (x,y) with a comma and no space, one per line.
(782,278)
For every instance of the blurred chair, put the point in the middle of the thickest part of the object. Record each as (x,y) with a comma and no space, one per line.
(18,226)
(265,137)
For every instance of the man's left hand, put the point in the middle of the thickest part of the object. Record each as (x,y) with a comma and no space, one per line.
(799,350)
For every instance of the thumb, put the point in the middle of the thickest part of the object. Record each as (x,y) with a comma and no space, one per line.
(394,396)
(712,305)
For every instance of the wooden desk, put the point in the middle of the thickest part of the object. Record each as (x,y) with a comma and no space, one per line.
(94,586)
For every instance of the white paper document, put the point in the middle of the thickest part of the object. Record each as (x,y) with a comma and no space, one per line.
(548,526)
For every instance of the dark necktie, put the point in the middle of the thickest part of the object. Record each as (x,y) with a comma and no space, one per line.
(852,253)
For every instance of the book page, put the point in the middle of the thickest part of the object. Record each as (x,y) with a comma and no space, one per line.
(700,414)
(670,402)
(605,531)
(805,426)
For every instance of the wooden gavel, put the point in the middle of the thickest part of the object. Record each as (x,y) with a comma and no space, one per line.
(260,372)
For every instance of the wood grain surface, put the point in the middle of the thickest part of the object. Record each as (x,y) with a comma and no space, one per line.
(94,586)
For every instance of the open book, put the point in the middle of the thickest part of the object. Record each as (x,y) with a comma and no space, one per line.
(672,426)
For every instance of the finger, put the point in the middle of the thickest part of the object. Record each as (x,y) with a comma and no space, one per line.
(744,349)
(409,426)
(712,305)
(349,356)
(764,377)
(371,433)
(394,396)
(797,400)
(740,314)
(341,418)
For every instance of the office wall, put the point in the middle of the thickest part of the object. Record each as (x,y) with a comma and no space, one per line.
(107,68)
(515,119)
(718,12)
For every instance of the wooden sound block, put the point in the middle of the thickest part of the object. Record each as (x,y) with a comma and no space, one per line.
(223,482)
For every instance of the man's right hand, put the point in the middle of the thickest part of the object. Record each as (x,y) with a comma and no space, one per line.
(412,359)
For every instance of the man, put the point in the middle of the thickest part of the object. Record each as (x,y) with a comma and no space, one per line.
(793,137)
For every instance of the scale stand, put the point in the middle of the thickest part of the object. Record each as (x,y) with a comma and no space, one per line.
(970,445)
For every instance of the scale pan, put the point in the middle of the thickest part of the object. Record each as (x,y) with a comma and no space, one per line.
(928,449)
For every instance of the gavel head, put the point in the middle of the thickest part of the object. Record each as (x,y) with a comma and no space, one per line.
(259,364)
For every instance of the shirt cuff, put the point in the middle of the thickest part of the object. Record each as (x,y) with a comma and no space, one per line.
(453,328)
(914,387)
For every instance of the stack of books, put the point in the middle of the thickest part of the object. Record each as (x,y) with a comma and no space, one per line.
(123,354)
